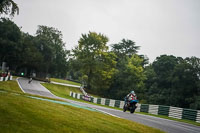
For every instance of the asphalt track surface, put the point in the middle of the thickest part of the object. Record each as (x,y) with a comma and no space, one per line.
(168,126)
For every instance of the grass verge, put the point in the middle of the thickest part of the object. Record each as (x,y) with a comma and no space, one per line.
(10,86)
(60,90)
(70,82)
(64,81)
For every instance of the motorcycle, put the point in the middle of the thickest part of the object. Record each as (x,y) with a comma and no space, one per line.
(130,104)
(30,80)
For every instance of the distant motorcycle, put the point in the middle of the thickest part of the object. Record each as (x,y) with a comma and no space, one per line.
(130,104)
(30,80)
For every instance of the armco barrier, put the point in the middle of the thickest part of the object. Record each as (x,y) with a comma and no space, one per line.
(81,96)
(95,100)
(138,108)
(112,103)
(107,102)
(198,116)
(153,109)
(117,103)
(144,108)
(6,78)
(78,96)
(173,112)
(92,99)
(103,100)
(189,114)
(121,104)
(98,100)
(163,110)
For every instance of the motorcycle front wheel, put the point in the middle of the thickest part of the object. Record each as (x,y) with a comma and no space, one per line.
(124,108)
(132,109)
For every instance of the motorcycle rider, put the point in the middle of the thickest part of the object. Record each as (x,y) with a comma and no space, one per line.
(130,95)
(30,80)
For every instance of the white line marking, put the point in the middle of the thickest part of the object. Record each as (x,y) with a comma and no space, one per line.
(20,85)
(64,84)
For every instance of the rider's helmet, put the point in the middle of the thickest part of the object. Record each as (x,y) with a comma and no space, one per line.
(132,92)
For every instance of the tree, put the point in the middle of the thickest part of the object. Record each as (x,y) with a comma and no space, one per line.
(8,7)
(10,42)
(160,91)
(125,48)
(31,57)
(186,83)
(130,73)
(151,86)
(129,76)
(105,70)
(49,41)
(95,61)
(169,76)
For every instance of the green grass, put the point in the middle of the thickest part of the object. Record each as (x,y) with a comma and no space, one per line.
(169,118)
(64,81)
(70,82)
(19,113)
(14,77)
(60,90)
(10,86)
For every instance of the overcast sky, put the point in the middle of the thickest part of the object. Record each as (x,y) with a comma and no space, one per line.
(169,27)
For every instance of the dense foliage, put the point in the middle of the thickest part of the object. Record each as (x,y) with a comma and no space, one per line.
(96,64)
(174,81)
(42,54)
(113,73)
(8,7)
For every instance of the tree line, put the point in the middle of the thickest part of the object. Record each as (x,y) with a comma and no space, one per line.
(108,71)
(43,54)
